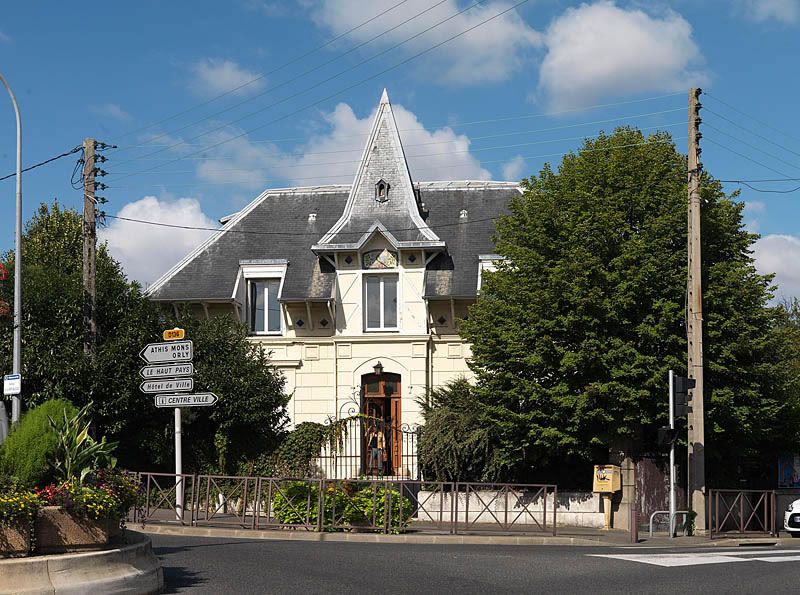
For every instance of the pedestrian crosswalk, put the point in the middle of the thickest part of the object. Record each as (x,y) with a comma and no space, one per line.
(695,558)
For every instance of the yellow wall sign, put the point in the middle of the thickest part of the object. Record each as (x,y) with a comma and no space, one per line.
(606,478)
(174,334)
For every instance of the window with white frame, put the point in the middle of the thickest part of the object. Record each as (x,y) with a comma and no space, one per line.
(380,302)
(265,310)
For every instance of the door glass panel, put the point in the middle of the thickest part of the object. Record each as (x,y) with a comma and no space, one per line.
(390,302)
(373,302)
(372,387)
(389,387)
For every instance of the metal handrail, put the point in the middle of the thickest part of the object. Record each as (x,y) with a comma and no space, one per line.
(677,512)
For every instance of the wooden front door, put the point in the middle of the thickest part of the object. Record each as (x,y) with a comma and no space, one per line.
(382,444)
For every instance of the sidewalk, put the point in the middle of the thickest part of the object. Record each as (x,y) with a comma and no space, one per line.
(572,536)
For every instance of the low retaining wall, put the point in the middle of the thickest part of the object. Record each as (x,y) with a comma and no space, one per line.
(575,509)
(130,568)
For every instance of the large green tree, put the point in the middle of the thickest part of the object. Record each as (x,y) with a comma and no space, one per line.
(249,416)
(573,335)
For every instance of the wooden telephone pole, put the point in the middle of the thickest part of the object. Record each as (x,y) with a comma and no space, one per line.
(89,244)
(696,470)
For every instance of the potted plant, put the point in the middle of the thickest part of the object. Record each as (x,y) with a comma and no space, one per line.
(18,509)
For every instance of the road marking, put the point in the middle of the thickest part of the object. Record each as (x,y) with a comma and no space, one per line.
(725,556)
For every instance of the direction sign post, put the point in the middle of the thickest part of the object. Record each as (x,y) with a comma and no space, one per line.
(169,375)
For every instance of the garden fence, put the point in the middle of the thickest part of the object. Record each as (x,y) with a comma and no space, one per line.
(366,504)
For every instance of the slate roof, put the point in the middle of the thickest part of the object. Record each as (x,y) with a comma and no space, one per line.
(455,273)
(276,226)
(210,272)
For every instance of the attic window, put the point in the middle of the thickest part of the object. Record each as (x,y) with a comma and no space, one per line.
(312,217)
(381,191)
(463,214)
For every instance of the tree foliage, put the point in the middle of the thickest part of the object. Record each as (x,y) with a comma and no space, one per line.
(455,444)
(573,335)
(248,417)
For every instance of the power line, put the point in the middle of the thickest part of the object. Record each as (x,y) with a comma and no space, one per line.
(752,146)
(418,156)
(317,84)
(314,69)
(357,84)
(769,191)
(745,156)
(725,103)
(261,76)
(471,139)
(350,175)
(752,132)
(45,162)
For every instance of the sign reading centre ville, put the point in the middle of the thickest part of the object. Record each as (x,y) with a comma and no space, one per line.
(175,351)
(193,400)
(167,371)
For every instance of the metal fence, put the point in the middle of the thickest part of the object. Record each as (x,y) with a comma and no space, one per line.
(741,512)
(374,448)
(366,504)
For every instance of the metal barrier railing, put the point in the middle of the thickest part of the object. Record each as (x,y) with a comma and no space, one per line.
(376,505)
(741,512)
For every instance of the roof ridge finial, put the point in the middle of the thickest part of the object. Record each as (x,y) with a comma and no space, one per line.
(384,96)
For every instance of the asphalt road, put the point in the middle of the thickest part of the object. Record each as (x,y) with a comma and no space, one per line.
(210,565)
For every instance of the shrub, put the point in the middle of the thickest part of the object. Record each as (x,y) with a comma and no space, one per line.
(297,503)
(30,448)
(77,453)
(106,494)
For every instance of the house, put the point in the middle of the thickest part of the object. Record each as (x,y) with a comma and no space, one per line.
(355,290)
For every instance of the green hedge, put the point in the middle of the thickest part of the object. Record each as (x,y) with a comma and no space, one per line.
(297,503)
(28,451)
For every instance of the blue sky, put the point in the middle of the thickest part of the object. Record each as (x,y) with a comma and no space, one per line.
(493,103)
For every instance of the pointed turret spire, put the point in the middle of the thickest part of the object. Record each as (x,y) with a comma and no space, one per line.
(382,195)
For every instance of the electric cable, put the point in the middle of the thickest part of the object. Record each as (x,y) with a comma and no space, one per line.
(745,156)
(45,162)
(261,76)
(710,111)
(729,106)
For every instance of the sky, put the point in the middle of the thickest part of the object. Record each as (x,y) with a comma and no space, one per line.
(210,103)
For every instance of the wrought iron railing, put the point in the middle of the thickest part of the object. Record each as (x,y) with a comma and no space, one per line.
(741,512)
(367,504)
(373,448)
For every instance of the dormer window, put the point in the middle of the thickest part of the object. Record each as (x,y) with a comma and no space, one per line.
(381,191)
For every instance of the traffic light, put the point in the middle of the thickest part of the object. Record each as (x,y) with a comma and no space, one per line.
(681,389)
(667,435)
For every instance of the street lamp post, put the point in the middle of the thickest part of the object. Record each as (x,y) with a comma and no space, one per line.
(16,402)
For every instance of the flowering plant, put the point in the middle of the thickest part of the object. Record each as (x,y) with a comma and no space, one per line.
(106,494)
(18,505)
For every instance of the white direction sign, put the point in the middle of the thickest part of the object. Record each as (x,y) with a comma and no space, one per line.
(192,400)
(12,384)
(173,351)
(166,385)
(167,371)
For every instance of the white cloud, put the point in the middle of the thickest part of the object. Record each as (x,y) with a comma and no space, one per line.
(784,11)
(514,169)
(148,251)
(332,157)
(780,254)
(492,52)
(5,38)
(600,50)
(213,76)
(111,110)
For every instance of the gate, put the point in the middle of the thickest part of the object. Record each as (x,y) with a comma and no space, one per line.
(741,512)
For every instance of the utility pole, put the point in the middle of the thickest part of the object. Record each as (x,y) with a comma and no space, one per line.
(696,470)
(89,245)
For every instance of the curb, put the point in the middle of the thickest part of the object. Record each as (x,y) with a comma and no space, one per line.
(277,535)
(131,568)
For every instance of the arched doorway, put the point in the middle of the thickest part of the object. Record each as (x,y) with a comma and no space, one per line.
(381,439)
